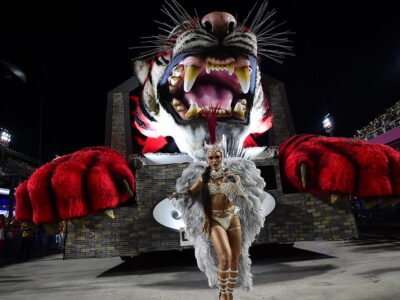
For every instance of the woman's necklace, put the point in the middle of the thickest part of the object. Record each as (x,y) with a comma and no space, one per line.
(217,174)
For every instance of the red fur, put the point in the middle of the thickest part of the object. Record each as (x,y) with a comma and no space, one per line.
(74,185)
(41,193)
(68,186)
(23,209)
(154,145)
(249,142)
(343,166)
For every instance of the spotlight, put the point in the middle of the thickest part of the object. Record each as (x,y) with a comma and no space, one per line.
(328,124)
(5,137)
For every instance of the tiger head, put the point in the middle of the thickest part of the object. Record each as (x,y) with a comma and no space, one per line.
(203,64)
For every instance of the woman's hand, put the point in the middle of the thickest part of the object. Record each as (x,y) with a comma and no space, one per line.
(173,196)
(176,195)
(231,178)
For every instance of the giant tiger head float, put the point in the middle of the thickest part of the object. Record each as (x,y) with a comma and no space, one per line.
(203,64)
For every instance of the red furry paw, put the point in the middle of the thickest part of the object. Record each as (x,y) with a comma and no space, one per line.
(75,185)
(322,165)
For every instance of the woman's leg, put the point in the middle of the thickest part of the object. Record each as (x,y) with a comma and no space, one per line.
(235,240)
(220,241)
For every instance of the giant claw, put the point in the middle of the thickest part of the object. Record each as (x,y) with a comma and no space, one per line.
(75,185)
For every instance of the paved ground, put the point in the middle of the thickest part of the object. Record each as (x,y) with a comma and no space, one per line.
(363,269)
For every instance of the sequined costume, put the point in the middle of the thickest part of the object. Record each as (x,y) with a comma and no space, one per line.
(249,201)
(224,216)
(230,189)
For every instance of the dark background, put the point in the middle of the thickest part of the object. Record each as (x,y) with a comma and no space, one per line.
(347,63)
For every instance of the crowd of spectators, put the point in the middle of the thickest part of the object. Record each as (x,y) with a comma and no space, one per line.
(385,122)
(20,241)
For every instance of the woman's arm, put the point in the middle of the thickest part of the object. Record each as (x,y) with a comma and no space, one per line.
(192,190)
(195,187)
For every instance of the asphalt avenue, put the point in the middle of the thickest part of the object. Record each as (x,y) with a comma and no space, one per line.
(362,269)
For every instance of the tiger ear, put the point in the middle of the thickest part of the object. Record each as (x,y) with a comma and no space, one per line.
(141,69)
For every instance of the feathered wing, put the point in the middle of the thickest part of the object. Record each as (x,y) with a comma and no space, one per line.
(190,207)
(250,213)
(193,216)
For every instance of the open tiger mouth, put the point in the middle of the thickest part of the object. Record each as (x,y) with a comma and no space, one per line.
(192,84)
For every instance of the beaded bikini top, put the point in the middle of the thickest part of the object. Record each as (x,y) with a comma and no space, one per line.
(227,188)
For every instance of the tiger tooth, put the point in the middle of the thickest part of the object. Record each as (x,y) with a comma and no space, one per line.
(172,89)
(178,70)
(193,111)
(208,67)
(211,67)
(175,102)
(243,74)
(231,69)
(173,80)
(238,110)
(244,104)
(191,73)
(179,108)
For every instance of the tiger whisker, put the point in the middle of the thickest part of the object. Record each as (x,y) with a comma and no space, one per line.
(165,24)
(182,11)
(267,30)
(249,14)
(181,16)
(169,15)
(260,12)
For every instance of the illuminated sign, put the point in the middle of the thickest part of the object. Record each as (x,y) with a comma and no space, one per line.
(4,191)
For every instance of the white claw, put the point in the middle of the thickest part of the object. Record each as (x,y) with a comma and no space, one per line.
(109,213)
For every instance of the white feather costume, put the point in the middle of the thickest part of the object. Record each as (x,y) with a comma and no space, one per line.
(250,214)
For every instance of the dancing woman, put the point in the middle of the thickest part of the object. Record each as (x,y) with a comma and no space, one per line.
(222,216)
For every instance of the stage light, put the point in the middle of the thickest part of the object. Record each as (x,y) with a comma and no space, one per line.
(5,137)
(328,124)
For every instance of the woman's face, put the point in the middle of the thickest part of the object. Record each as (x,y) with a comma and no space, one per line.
(214,159)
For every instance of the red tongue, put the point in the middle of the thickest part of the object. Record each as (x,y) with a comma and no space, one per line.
(211,116)
(208,95)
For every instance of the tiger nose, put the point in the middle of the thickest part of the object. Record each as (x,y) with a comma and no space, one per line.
(219,23)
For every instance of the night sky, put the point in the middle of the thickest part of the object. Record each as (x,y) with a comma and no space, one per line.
(347,63)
